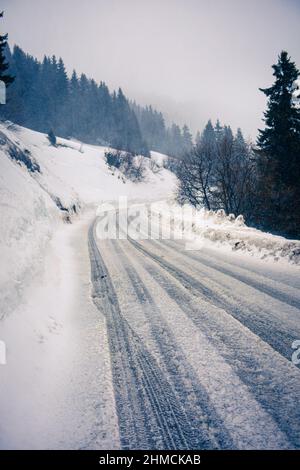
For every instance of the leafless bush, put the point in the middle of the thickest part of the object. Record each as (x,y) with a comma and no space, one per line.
(219,174)
(154,167)
(131,166)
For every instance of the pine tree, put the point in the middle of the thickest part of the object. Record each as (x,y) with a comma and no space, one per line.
(46,80)
(187,139)
(83,108)
(73,104)
(4,76)
(208,137)
(218,130)
(175,147)
(105,113)
(279,152)
(127,134)
(198,138)
(279,142)
(152,126)
(61,95)
(23,106)
(52,138)
(239,138)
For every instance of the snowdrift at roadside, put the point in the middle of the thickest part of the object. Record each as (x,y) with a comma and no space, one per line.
(240,237)
(227,232)
(28,218)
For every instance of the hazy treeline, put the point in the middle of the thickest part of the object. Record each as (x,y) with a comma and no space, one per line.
(172,140)
(43,97)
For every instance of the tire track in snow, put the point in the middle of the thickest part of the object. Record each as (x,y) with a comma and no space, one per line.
(265,324)
(249,425)
(206,429)
(274,289)
(148,411)
(275,387)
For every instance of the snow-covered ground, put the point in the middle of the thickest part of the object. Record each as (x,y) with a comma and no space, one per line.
(56,389)
(73,176)
(201,340)
(55,338)
(57,350)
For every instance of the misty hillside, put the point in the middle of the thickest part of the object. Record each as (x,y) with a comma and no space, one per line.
(42,97)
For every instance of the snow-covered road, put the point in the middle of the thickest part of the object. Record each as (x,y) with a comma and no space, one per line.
(200,345)
(180,349)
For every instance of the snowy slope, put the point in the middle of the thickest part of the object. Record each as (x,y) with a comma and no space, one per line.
(55,339)
(77,172)
(28,218)
(71,177)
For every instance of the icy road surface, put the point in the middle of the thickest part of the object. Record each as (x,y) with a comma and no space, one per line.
(200,346)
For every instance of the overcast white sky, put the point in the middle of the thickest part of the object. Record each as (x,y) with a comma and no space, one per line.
(192,59)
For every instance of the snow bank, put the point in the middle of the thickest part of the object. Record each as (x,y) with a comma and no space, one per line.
(234,232)
(56,389)
(28,218)
(227,232)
